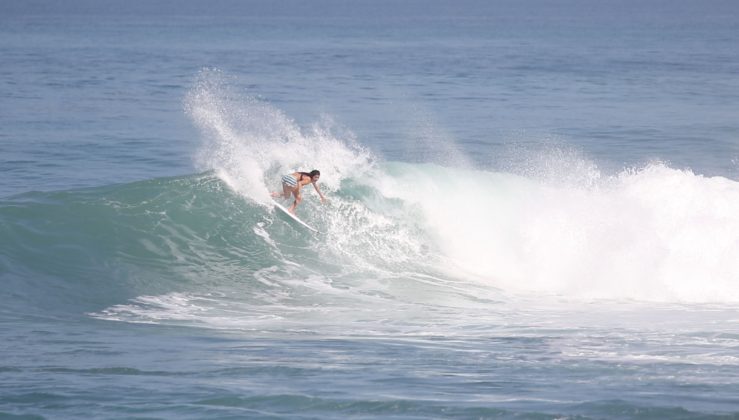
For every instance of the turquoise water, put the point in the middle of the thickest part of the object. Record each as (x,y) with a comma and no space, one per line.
(533,210)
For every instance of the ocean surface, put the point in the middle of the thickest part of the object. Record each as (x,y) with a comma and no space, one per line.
(533,209)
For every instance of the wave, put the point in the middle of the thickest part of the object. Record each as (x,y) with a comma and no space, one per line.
(394,233)
(403,232)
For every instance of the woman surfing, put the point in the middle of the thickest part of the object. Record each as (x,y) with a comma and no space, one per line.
(292,183)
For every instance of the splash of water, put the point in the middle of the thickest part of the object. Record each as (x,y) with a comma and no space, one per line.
(250,143)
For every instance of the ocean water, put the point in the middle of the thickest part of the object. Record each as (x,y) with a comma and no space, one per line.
(533,209)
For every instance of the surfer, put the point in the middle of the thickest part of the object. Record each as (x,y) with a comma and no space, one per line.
(292,183)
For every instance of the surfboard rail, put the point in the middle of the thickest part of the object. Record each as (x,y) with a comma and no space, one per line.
(282,208)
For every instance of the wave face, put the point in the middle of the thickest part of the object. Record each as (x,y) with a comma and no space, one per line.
(95,246)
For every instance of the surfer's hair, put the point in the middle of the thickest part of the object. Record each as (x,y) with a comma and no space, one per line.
(312,173)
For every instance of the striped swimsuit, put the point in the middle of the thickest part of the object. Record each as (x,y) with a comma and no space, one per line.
(289,180)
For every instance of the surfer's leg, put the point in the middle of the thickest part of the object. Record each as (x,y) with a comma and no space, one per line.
(286,190)
(298,199)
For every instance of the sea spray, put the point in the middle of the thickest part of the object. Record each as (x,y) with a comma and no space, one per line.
(250,143)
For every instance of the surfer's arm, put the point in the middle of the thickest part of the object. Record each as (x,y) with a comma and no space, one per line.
(318,190)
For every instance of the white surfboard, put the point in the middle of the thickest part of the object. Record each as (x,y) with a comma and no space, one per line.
(281,208)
